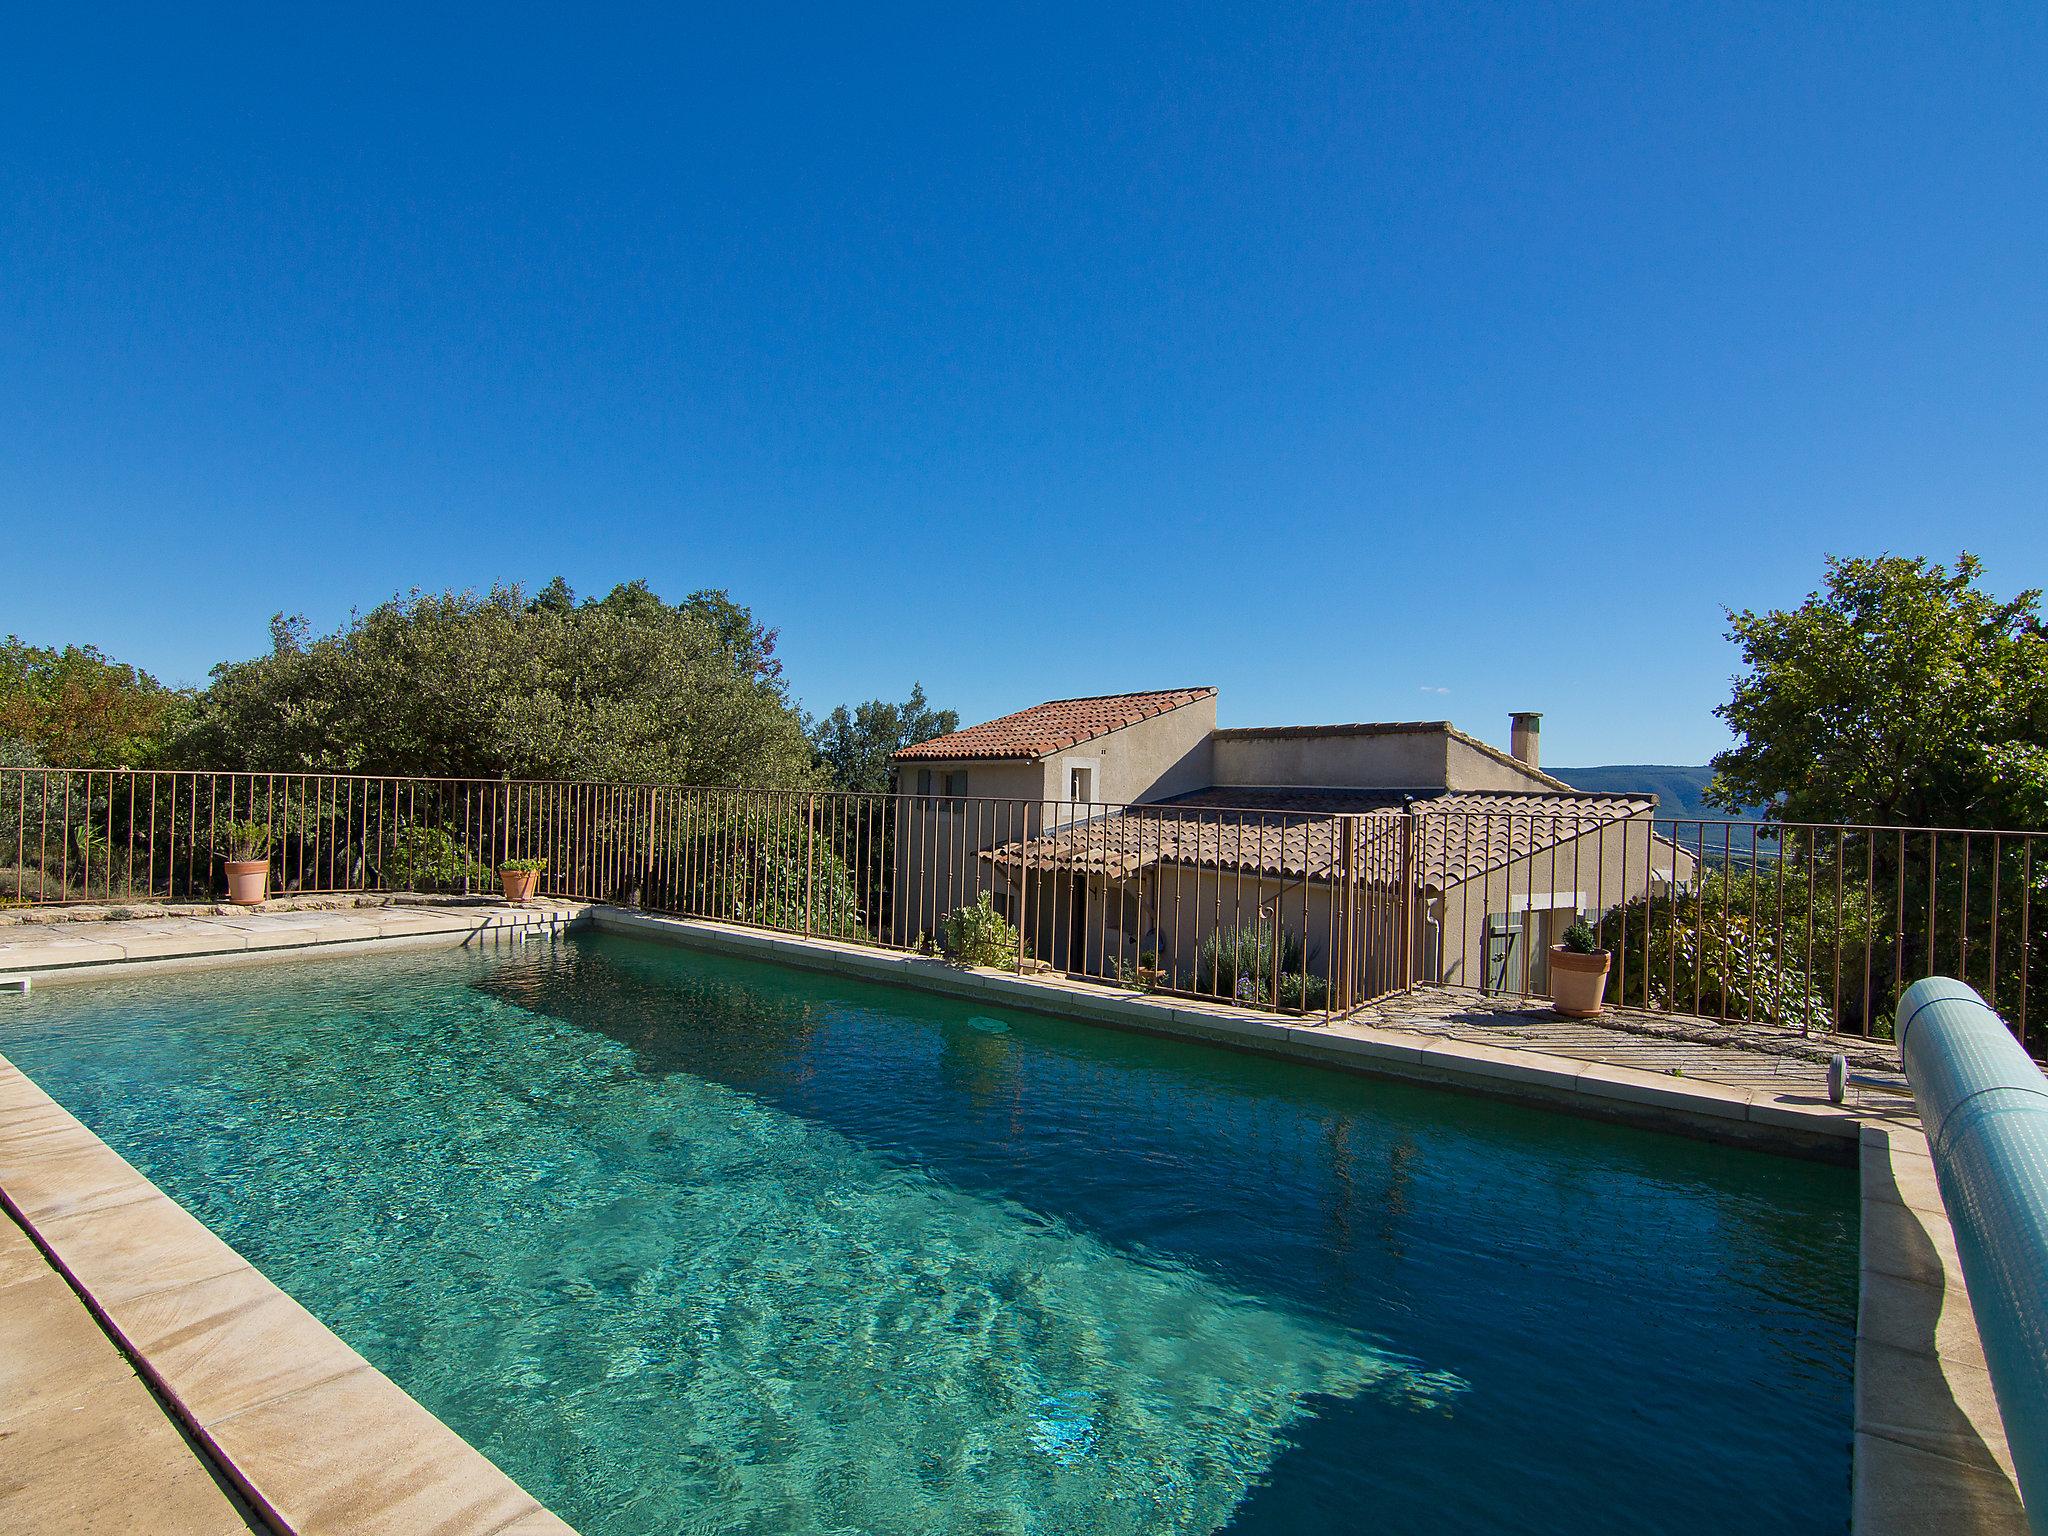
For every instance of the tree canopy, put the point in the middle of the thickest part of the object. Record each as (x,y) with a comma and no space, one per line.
(1900,693)
(853,747)
(627,687)
(77,708)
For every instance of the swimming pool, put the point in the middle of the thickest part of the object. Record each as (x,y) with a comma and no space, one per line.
(689,1243)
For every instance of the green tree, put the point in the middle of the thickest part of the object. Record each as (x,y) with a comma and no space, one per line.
(1901,693)
(76,708)
(1904,694)
(854,747)
(626,687)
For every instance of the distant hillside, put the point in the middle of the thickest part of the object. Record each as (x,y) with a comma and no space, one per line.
(1679,790)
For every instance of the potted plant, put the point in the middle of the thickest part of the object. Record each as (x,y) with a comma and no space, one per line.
(518,877)
(245,850)
(1578,972)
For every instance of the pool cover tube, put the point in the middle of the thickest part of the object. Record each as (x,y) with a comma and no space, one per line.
(1984,1105)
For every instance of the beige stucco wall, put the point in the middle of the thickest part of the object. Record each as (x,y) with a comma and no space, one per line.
(1469,768)
(1182,751)
(1390,759)
(1005,780)
(1171,909)
(1168,912)
(940,838)
(1154,759)
(937,863)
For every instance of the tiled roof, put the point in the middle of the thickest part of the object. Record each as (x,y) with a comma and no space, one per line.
(1053,727)
(1295,833)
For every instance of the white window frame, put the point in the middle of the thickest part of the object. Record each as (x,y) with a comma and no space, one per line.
(1092,766)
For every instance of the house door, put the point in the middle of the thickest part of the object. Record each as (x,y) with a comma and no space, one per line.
(1503,951)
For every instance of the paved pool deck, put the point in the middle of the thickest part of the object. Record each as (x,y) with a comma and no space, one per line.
(250,1412)
(1759,1058)
(91,939)
(84,1442)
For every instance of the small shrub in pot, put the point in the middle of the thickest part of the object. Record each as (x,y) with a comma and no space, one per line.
(518,877)
(245,854)
(1578,972)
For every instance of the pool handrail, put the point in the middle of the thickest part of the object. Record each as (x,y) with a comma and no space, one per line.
(1984,1105)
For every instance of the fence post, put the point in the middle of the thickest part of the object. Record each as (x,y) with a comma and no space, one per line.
(653,856)
(1407,911)
(810,844)
(1347,927)
(1023,882)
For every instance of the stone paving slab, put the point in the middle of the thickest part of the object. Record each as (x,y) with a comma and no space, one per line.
(179,911)
(1930,1447)
(55,948)
(84,1443)
(1740,1056)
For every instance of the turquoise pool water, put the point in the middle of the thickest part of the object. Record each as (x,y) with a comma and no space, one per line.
(697,1245)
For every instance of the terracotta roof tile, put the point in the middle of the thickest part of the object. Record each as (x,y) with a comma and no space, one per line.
(1053,727)
(1294,833)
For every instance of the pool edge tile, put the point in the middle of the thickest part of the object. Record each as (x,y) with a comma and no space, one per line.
(1630,1085)
(1532,1067)
(399,1471)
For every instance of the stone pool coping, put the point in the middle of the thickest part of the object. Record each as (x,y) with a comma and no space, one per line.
(1930,1450)
(70,1399)
(80,950)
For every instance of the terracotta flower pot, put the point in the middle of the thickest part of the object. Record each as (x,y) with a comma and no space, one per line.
(518,884)
(248,881)
(1578,982)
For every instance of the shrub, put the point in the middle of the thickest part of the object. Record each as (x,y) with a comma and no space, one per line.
(522,866)
(1303,993)
(979,934)
(760,862)
(1239,962)
(1707,954)
(428,859)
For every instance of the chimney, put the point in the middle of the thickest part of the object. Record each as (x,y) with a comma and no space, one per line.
(1525,727)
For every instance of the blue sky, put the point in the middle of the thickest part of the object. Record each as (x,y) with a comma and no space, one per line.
(1367,361)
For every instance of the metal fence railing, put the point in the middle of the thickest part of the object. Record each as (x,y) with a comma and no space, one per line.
(1818,927)
(134,835)
(1275,910)
(1309,912)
